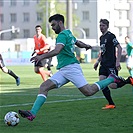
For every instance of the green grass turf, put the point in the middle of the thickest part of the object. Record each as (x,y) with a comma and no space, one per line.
(66,109)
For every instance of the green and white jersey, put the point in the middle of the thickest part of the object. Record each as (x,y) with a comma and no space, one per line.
(66,55)
(129,49)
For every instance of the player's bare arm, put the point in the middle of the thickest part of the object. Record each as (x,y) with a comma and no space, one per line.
(119,51)
(81,44)
(52,53)
(45,48)
(98,61)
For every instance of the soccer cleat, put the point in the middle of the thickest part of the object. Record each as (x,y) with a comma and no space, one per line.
(129,80)
(116,78)
(108,106)
(26,114)
(18,81)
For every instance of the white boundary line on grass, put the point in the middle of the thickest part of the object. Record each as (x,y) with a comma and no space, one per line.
(57,101)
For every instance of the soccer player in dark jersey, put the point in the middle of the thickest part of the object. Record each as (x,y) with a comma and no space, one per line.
(109,59)
(7,71)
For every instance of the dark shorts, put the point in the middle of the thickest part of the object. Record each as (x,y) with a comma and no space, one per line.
(107,70)
(41,63)
(1,62)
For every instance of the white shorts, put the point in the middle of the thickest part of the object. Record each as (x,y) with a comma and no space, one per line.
(70,73)
(129,62)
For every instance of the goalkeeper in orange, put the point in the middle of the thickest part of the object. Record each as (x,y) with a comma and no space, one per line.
(40,48)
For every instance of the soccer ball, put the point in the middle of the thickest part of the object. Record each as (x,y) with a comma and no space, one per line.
(11,118)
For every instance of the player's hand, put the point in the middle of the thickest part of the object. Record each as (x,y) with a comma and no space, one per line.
(118,66)
(96,65)
(88,47)
(33,54)
(35,59)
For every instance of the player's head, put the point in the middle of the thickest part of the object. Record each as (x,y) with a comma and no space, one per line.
(104,25)
(127,39)
(38,29)
(57,23)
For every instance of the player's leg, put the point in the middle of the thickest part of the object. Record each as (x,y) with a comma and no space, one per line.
(107,94)
(44,74)
(131,73)
(48,66)
(56,81)
(89,90)
(129,65)
(62,77)
(75,75)
(103,74)
(10,72)
(40,100)
(39,69)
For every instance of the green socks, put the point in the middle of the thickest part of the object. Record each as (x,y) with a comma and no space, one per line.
(103,83)
(131,72)
(38,103)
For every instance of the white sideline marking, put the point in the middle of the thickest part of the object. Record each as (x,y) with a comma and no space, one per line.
(57,101)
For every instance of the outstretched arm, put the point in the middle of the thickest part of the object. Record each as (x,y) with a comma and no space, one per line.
(81,44)
(52,53)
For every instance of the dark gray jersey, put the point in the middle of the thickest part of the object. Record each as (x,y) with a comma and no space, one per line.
(108,42)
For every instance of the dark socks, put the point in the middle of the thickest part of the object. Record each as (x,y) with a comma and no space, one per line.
(107,95)
(12,74)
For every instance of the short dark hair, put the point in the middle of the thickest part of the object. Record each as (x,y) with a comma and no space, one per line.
(38,26)
(57,17)
(127,37)
(104,21)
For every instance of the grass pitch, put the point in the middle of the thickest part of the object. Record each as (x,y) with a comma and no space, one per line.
(66,109)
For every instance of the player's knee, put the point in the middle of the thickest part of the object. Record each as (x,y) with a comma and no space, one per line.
(44,87)
(36,70)
(87,90)
(5,70)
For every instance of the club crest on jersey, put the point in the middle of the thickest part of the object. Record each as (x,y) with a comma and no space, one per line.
(115,41)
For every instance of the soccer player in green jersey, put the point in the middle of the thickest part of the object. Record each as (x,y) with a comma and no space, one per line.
(129,62)
(68,66)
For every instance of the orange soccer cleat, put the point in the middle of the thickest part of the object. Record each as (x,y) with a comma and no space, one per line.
(108,106)
(131,80)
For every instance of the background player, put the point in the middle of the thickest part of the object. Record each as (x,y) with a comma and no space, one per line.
(109,63)
(41,47)
(129,61)
(8,71)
